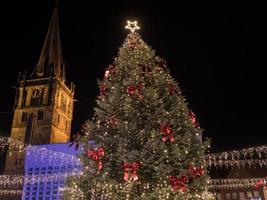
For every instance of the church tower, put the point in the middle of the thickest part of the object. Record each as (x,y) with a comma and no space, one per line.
(43,103)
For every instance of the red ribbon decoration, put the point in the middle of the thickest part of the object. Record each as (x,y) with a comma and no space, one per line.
(112,68)
(172,89)
(132,90)
(95,155)
(139,89)
(162,63)
(103,89)
(195,172)
(113,121)
(178,183)
(187,177)
(165,129)
(259,183)
(193,119)
(130,171)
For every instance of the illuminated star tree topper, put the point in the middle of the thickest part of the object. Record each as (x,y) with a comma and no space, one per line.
(132,26)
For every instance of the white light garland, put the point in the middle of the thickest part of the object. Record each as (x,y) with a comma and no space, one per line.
(248,153)
(8,141)
(11,180)
(246,164)
(39,152)
(244,158)
(241,183)
(10,192)
(213,184)
(16,180)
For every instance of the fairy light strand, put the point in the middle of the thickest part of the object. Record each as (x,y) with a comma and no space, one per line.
(244,158)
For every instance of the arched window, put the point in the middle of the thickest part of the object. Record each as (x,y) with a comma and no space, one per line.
(63,103)
(36,98)
(31,122)
(58,119)
(66,127)
(24,117)
(40,114)
(24,97)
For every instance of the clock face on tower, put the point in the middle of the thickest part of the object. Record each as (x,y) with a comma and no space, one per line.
(36,97)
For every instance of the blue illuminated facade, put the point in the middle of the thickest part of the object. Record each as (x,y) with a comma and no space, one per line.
(46,170)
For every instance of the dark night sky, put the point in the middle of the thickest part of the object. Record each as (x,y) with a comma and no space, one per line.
(216,52)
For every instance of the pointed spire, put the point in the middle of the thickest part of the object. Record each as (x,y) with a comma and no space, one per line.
(51,59)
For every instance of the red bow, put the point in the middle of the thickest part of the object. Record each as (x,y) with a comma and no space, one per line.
(172,89)
(161,63)
(130,171)
(95,155)
(113,121)
(193,119)
(112,68)
(178,183)
(195,172)
(103,89)
(259,183)
(165,129)
(132,90)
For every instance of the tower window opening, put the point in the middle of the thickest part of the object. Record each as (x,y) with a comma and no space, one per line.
(40,115)
(24,117)
(63,103)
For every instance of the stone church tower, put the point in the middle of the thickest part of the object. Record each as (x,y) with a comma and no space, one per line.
(44,103)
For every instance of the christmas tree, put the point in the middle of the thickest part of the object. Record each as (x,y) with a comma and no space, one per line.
(147,142)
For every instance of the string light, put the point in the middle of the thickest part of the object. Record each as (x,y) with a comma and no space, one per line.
(213,184)
(241,183)
(10,192)
(237,163)
(244,158)
(7,141)
(252,152)
(39,153)
(126,190)
(11,180)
